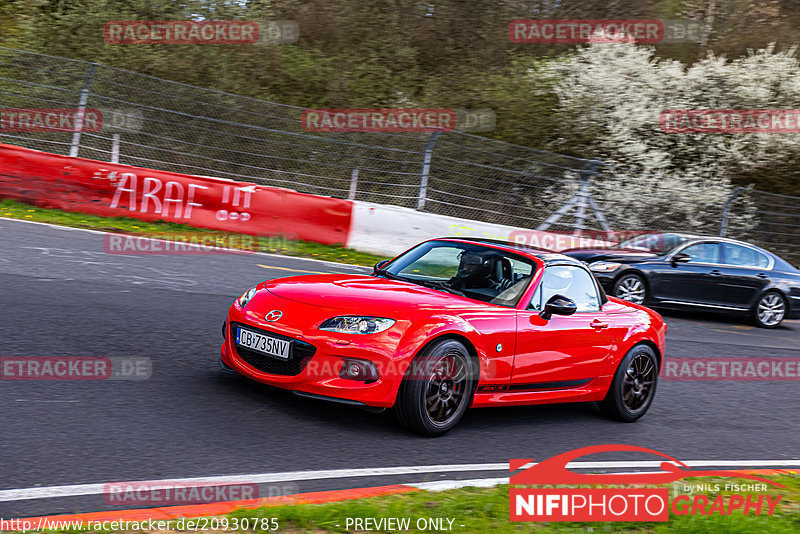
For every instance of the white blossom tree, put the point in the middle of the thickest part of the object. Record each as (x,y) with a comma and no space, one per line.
(663,180)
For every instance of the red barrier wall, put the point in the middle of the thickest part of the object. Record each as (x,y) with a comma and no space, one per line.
(100,188)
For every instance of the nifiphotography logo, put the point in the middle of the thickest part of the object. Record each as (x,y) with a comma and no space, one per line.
(638,500)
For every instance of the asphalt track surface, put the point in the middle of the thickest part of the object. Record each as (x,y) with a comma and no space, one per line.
(61,295)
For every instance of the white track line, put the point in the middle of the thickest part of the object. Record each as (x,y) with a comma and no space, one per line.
(442,485)
(73,490)
(237,251)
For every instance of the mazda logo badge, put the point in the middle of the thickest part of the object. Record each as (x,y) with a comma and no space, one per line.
(273,316)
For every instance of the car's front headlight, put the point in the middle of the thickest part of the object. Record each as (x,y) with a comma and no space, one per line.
(604,266)
(356,324)
(246,296)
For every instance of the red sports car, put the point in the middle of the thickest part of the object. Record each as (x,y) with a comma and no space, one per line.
(451,323)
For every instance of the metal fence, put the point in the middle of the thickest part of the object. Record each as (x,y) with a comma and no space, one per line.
(157,123)
(776,221)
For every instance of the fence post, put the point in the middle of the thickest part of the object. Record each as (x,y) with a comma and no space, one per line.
(426,170)
(353,185)
(76,136)
(115,148)
(726,211)
(583,199)
(579,201)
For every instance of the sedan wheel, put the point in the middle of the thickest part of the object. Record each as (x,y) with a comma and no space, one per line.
(437,389)
(631,287)
(633,387)
(770,310)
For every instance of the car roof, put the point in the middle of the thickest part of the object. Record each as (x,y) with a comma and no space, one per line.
(550,257)
(651,232)
(694,238)
(698,237)
(547,256)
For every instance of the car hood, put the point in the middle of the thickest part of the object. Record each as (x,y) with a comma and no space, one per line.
(609,254)
(365,294)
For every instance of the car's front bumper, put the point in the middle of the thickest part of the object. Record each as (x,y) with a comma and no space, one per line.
(316,361)
(794,308)
(606,279)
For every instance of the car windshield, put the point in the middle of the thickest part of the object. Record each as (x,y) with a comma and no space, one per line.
(656,243)
(466,269)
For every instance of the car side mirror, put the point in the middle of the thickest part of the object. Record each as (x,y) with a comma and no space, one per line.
(380,265)
(558,305)
(681,257)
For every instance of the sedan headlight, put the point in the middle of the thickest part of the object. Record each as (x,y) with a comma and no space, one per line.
(604,266)
(246,296)
(356,324)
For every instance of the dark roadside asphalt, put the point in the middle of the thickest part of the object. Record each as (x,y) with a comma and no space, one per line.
(61,295)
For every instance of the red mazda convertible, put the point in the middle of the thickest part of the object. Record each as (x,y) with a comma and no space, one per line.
(451,323)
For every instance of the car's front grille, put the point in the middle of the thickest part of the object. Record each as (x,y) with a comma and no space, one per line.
(301,354)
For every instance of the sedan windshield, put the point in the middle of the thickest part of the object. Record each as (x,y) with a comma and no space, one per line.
(466,269)
(656,243)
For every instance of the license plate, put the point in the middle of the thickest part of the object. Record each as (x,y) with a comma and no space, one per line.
(271,346)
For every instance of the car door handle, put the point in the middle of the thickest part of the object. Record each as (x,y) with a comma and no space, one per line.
(763,276)
(715,272)
(597,323)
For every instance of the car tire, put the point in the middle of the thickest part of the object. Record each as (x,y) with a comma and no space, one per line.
(631,287)
(770,310)
(633,387)
(437,389)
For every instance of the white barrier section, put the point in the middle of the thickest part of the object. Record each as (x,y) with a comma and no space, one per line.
(390,230)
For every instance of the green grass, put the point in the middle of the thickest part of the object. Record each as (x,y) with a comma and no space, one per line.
(485,510)
(129,225)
